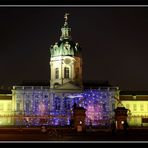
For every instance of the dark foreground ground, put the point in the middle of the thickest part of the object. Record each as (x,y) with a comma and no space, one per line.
(97,135)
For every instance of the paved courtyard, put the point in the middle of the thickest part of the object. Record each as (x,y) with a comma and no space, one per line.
(35,134)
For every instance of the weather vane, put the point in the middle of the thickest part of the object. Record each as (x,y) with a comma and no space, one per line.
(66,16)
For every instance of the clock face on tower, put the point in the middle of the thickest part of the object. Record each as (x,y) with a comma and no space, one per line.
(67,61)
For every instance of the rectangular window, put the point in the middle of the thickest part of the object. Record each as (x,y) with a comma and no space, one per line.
(135,121)
(57,73)
(9,107)
(134,107)
(1,106)
(27,106)
(57,103)
(66,72)
(18,106)
(141,107)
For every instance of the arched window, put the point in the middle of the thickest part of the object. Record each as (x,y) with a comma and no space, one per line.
(57,73)
(66,72)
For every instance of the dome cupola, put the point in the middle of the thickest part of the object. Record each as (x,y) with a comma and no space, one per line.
(65,47)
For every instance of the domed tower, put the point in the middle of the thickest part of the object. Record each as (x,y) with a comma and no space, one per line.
(66,60)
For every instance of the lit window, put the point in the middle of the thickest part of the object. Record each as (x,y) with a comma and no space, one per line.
(66,72)
(127,106)
(141,107)
(18,106)
(57,73)
(134,107)
(135,121)
(1,106)
(9,106)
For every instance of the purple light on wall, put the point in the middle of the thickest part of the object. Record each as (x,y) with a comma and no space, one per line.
(42,108)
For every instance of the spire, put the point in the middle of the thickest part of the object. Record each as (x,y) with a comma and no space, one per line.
(65,29)
(66,18)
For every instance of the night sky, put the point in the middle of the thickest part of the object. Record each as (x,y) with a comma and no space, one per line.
(114,41)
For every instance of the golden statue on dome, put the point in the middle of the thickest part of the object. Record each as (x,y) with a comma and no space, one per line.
(66,16)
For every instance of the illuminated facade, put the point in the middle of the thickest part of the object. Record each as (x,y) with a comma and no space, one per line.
(56,105)
(137,104)
(6,109)
(65,61)
(52,105)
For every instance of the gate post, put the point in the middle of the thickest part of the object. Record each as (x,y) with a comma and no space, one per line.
(120,116)
(79,118)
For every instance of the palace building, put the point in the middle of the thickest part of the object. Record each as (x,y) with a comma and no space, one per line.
(137,104)
(53,105)
(30,104)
